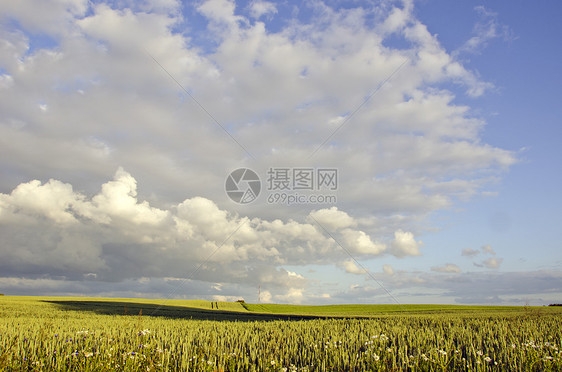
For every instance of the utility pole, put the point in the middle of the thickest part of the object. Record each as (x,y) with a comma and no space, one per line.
(259,293)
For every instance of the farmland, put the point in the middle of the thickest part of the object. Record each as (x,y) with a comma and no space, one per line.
(94,334)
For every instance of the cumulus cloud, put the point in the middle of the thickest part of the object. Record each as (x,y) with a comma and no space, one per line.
(220,11)
(265,296)
(103,79)
(332,218)
(352,268)
(261,8)
(122,35)
(359,242)
(404,244)
(293,296)
(387,269)
(45,16)
(447,268)
(113,236)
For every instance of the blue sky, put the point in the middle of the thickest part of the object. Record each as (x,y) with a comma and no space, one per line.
(523,114)
(113,177)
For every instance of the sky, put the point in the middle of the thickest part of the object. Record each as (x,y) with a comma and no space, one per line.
(316,152)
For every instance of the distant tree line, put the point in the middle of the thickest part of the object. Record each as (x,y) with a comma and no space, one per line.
(555,305)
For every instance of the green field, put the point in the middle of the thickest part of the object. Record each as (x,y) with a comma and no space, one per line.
(372,310)
(106,334)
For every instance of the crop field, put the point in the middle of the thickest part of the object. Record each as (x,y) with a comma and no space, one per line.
(95,334)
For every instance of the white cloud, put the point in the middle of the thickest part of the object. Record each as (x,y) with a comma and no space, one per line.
(293,296)
(397,19)
(109,103)
(106,60)
(359,242)
(114,236)
(447,268)
(332,218)
(52,200)
(490,263)
(404,244)
(387,269)
(6,81)
(261,8)
(486,29)
(220,11)
(265,296)
(45,16)
(117,200)
(352,268)
(225,298)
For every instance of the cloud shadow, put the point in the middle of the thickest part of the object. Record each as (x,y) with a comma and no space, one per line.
(131,308)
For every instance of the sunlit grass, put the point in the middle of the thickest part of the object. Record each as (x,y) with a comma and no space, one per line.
(367,310)
(39,334)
